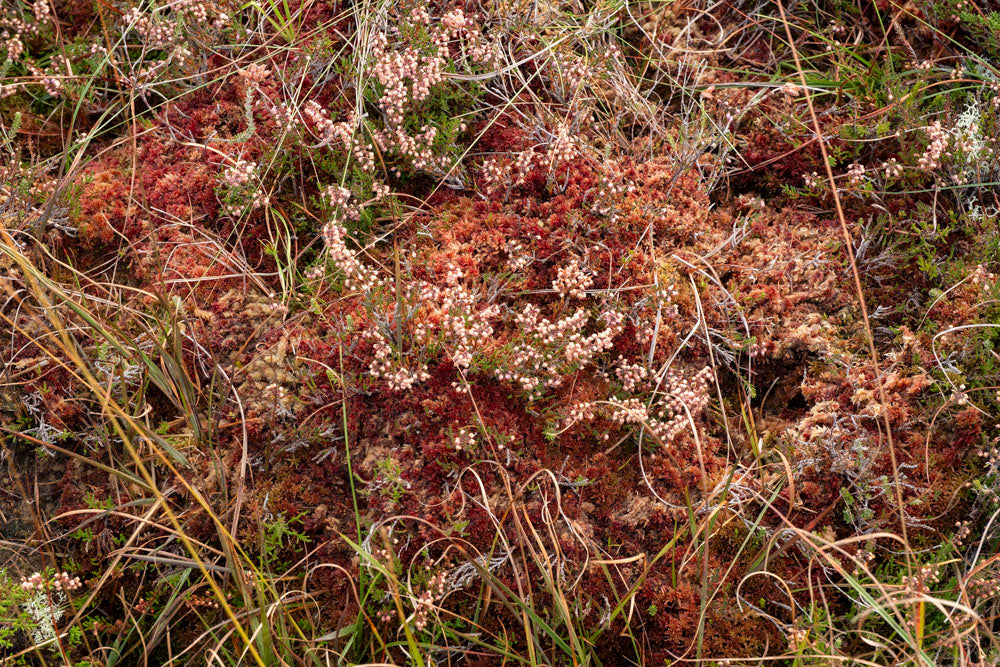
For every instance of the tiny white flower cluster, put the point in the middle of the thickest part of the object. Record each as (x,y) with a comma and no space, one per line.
(449,319)
(424,603)
(571,70)
(343,133)
(465,439)
(982,276)
(340,197)
(921,581)
(384,367)
(456,322)
(931,159)
(578,412)
(61,581)
(892,168)
(14,30)
(51,82)
(985,587)
(406,77)
(560,148)
(563,148)
(630,375)
(494,172)
(358,275)
(798,638)
(194,9)
(239,173)
(991,461)
(791,90)
(419,147)
(519,257)
(855,174)
(153,32)
(14,47)
(572,281)
(666,418)
(444,316)
(408,73)
(159,31)
(523,164)
(610,190)
(552,349)
(279,399)
(42,11)
(255,73)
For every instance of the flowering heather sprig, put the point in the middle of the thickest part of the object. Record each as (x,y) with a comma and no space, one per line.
(630,375)
(358,275)
(493,175)
(982,276)
(666,418)
(342,133)
(991,465)
(42,11)
(610,190)
(523,164)
(380,191)
(418,148)
(519,257)
(931,159)
(572,281)
(283,114)
(985,587)
(61,581)
(424,603)
(340,197)
(406,76)
(181,55)
(465,439)
(791,90)
(14,30)
(563,148)
(921,581)
(153,33)
(449,315)
(855,174)
(239,173)
(14,47)
(193,9)
(420,15)
(864,559)
(551,349)
(798,638)
(962,531)
(384,367)
(571,70)
(892,168)
(577,412)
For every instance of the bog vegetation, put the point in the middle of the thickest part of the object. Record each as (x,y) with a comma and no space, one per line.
(499,332)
